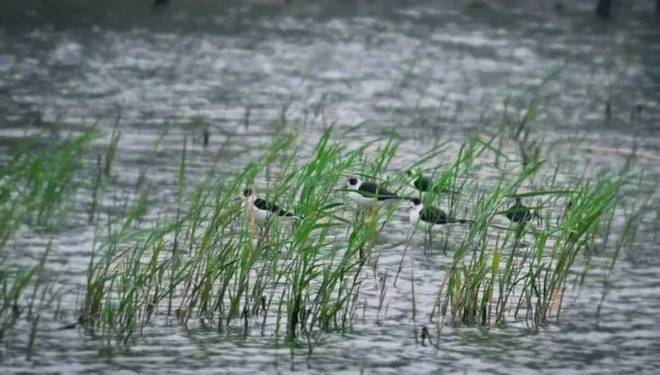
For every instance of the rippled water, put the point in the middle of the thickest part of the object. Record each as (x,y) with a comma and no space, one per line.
(429,73)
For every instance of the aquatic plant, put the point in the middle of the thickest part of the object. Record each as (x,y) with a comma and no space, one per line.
(210,263)
(36,186)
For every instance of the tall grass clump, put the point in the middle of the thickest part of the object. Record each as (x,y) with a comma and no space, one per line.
(212,262)
(298,278)
(209,262)
(521,271)
(37,183)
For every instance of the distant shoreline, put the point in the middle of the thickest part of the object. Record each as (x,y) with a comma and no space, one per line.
(21,15)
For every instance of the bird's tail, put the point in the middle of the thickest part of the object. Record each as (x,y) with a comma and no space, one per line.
(290,215)
(389,197)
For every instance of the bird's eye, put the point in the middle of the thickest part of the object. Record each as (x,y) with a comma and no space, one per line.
(352,181)
(247,192)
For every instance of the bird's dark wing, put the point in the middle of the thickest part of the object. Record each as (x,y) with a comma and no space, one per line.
(422,183)
(370,190)
(262,204)
(285,213)
(433,215)
(518,213)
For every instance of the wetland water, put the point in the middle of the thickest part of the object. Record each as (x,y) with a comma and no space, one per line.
(431,74)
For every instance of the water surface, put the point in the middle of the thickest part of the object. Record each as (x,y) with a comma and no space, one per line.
(432,74)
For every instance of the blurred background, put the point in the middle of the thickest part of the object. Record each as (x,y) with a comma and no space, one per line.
(384,61)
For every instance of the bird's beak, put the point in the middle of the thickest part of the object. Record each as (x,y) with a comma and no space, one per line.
(237,199)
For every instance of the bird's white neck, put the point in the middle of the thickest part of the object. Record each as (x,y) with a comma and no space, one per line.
(413,215)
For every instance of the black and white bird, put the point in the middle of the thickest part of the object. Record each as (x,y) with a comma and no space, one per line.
(421,182)
(368,194)
(263,210)
(424,184)
(518,213)
(430,215)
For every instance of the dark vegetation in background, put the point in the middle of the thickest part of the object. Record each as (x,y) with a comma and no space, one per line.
(75,14)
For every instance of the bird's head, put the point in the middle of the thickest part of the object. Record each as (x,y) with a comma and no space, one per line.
(248,195)
(353,183)
(415,203)
(413,172)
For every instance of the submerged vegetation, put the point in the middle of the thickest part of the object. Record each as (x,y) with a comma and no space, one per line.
(210,263)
